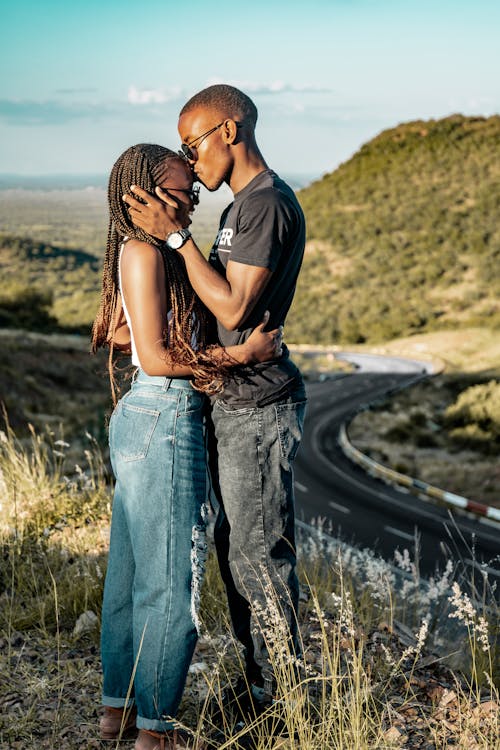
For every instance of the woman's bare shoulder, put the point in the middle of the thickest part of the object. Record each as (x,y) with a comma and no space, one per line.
(136,254)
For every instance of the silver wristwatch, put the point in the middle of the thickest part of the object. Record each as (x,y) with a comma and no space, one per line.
(175,240)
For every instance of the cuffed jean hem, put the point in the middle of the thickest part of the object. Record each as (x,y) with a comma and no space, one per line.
(117,702)
(157,725)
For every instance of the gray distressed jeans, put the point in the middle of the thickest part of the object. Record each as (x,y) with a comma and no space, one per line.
(251,459)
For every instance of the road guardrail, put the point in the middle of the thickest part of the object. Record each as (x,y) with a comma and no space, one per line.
(390,476)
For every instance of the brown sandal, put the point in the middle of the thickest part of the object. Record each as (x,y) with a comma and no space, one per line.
(118,723)
(174,739)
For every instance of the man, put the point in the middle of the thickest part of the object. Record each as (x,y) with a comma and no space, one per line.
(258,419)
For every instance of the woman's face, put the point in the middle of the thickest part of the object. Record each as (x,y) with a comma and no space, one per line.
(178,184)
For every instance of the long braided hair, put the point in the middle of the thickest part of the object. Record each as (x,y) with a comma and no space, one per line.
(147,165)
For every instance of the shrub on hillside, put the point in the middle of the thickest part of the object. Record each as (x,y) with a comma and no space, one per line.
(27,307)
(474,418)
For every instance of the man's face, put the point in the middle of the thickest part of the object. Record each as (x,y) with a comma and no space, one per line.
(200,129)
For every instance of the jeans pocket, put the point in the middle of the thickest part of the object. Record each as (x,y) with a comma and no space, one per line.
(133,428)
(290,424)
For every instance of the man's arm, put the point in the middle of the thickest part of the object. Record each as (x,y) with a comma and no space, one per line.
(230,299)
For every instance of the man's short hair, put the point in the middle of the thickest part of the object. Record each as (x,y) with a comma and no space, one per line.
(227,100)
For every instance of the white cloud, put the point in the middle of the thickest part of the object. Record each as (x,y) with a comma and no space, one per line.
(152,96)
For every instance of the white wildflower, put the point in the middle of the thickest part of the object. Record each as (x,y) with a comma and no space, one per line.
(345,616)
(416,649)
(403,561)
(464,610)
(438,587)
(388,656)
(482,633)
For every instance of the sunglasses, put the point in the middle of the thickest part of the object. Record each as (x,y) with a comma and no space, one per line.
(189,150)
(192,193)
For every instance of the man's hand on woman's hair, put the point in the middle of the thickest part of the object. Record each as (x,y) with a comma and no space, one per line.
(150,213)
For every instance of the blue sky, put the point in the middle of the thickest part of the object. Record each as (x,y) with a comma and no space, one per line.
(81,81)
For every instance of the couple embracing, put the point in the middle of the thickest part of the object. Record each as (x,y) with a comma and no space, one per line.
(206,339)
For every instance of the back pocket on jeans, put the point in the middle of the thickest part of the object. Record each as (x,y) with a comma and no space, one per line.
(133,428)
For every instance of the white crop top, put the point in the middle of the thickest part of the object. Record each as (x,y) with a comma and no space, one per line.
(135,356)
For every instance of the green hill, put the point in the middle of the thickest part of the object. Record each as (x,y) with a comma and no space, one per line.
(404,237)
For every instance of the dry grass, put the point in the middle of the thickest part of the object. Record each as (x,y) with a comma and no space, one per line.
(369,675)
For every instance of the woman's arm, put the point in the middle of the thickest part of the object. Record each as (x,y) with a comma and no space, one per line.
(143,282)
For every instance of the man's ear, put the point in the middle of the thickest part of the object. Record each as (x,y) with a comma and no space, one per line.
(166,198)
(230,131)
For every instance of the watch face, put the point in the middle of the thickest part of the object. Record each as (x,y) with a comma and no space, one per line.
(174,240)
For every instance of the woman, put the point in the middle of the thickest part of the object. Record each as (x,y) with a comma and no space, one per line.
(149,616)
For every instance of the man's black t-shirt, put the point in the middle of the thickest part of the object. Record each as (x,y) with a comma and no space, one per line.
(264,226)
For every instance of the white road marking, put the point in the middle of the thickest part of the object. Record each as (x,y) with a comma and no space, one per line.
(366,488)
(398,532)
(336,506)
(301,487)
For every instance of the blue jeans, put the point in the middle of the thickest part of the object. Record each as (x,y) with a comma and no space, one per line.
(252,452)
(157,547)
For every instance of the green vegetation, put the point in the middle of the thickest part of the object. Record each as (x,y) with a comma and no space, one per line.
(47,288)
(26,307)
(442,431)
(404,237)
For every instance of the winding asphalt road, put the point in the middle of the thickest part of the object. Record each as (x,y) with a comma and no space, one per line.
(364,510)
